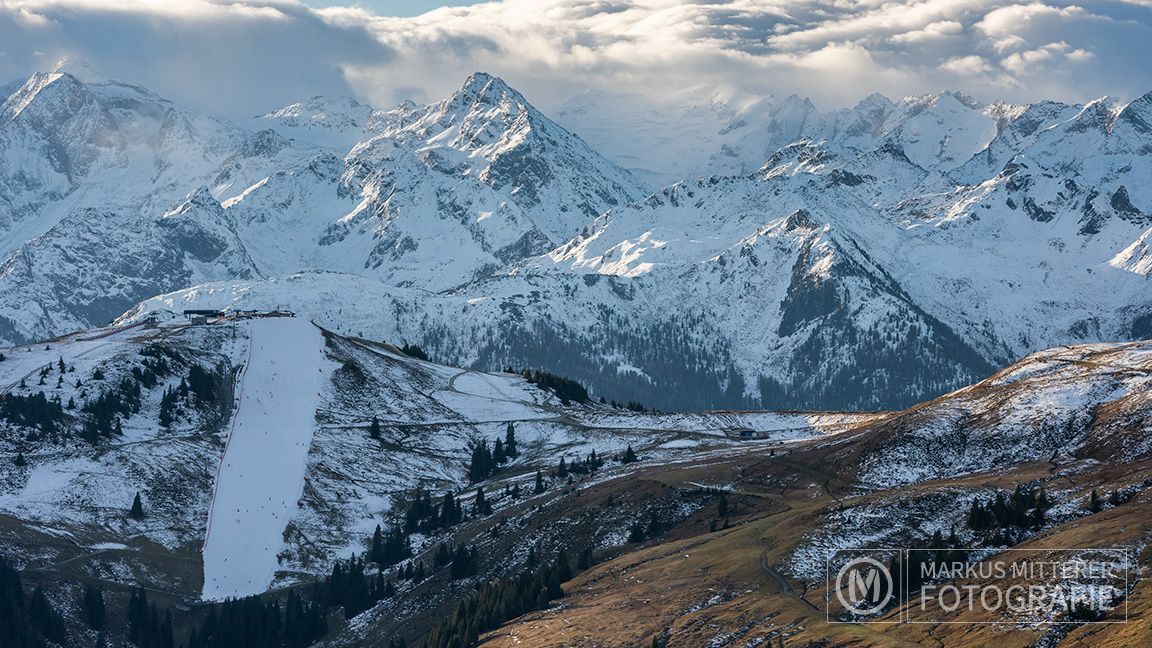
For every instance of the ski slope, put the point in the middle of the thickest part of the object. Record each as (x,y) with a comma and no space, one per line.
(261,474)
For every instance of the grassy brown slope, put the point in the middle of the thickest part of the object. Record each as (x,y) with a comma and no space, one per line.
(730,587)
(741,586)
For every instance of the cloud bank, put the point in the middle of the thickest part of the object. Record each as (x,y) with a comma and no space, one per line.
(244,57)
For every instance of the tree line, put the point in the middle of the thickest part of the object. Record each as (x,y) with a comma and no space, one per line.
(566,389)
(26,621)
(485,462)
(499,601)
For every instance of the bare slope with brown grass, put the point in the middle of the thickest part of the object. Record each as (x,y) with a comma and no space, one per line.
(1071,421)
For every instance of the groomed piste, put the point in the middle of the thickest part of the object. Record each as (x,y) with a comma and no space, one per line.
(261,473)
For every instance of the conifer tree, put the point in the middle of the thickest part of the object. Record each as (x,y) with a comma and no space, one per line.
(463,563)
(481,504)
(481,466)
(442,557)
(45,619)
(376,552)
(137,510)
(1094,504)
(510,447)
(539,482)
(451,511)
(499,455)
(654,526)
(93,604)
(374,429)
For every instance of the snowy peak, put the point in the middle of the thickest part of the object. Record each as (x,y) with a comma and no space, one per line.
(1096,116)
(940,131)
(334,113)
(866,118)
(488,132)
(1137,116)
(967,100)
(47,99)
(481,87)
(53,131)
(484,117)
(874,103)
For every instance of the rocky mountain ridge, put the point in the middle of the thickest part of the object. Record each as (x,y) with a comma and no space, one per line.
(872,257)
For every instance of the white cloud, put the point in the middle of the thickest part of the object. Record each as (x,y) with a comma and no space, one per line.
(930,32)
(968,65)
(1078,55)
(245,56)
(1008,21)
(1008,43)
(233,57)
(1028,61)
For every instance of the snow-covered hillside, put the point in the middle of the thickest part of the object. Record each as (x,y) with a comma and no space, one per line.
(250,443)
(1090,403)
(865,258)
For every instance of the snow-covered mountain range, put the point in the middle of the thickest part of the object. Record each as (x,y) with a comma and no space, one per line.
(864,258)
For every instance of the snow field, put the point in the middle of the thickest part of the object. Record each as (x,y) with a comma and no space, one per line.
(261,474)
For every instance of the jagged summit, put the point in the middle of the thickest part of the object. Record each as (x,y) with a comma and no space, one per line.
(483,109)
(963,99)
(874,101)
(1138,115)
(47,96)
(484,87)
(323,111)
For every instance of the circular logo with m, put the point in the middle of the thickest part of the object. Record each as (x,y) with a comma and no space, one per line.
(864,586)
